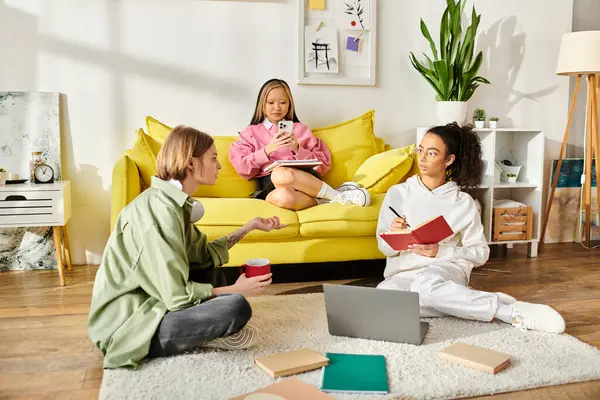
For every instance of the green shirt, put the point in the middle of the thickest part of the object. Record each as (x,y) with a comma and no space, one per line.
(144,272)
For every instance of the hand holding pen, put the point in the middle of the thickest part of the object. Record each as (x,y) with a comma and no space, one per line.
(399,223)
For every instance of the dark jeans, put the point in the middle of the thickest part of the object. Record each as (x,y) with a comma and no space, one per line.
(182,330)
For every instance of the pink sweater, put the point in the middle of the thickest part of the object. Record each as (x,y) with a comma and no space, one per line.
(248,157)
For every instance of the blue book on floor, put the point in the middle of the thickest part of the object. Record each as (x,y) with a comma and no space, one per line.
(362,373)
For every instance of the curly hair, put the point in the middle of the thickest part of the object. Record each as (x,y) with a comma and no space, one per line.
(464,143)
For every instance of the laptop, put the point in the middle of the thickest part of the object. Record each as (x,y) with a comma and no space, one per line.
(377,314)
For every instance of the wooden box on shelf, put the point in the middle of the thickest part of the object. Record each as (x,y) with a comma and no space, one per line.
(512,223)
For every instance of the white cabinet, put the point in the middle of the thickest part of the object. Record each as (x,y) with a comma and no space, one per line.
(520,146)
(47,204)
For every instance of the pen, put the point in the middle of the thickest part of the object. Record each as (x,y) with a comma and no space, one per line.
(398,215)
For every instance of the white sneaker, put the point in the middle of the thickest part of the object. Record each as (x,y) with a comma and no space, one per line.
(348,186)
(538,317)
(242,339)
(505,298)
(358,197)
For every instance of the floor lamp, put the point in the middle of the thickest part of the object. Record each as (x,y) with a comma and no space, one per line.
(580,56)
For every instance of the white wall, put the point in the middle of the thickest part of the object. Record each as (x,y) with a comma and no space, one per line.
(201,63)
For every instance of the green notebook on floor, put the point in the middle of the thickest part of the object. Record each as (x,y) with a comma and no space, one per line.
(363,373)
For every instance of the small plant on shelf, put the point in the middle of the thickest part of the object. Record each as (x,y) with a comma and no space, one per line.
(511,178)
(493,122)
(2,176)
(479,118)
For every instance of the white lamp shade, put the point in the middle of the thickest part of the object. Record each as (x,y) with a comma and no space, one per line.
(579,53)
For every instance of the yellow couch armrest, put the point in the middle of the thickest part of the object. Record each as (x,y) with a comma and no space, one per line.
(126,186)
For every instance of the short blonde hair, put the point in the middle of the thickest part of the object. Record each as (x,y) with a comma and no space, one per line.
(182,144)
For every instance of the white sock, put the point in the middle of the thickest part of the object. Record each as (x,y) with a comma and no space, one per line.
(504,313)
(327,192)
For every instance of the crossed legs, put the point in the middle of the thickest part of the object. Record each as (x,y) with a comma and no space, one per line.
(294,189)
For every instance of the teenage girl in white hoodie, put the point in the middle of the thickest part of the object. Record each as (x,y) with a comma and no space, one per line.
(450,161)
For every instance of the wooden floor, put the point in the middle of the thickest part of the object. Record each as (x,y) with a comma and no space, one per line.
(45,352)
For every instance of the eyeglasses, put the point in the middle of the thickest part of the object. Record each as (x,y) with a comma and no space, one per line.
(430,155)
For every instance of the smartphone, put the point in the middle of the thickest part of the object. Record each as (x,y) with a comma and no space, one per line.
(285,127)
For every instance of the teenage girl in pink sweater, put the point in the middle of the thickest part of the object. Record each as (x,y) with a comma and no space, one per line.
(259,145)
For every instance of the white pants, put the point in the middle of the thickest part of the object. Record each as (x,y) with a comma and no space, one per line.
(443,291)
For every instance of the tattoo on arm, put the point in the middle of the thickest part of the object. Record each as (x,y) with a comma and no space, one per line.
(235,237)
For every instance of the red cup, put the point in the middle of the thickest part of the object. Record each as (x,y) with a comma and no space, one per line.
(256,267)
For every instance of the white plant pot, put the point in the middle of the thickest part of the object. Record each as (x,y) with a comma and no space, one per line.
(451,111)
(3,178)
(493,124)
(479,124)
(509,169)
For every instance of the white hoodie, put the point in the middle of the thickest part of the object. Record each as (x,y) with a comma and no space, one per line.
(467,248)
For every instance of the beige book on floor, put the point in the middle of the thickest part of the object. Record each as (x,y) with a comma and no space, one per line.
(476,357)
(292,362)
(287,389)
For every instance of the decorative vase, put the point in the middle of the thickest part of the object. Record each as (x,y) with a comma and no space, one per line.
(3,178)
(493,124)
(509,169)
(451,111)
(479,124)
(36,159)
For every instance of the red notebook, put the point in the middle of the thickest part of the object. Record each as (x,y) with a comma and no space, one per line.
(433,231)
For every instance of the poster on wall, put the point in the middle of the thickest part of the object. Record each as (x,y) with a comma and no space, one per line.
(564,222)
(337,42)
(321,50)
(29,121)
(354,15)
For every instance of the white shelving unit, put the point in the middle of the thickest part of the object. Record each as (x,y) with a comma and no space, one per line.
(525,147)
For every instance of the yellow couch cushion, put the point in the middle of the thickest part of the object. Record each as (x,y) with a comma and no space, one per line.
(157,129)
(350,143)
(224,216)
(381,171)
(143,153)
(335,220)
(229,184)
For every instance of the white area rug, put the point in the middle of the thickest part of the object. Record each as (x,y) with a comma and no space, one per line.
(294,321)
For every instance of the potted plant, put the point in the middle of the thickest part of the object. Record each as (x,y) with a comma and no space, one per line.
(479,118)
(510,172)
(493,122)
(453,71)
(2,176)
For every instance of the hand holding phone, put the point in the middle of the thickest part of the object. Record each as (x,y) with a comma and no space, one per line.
(285,127)
(279,140)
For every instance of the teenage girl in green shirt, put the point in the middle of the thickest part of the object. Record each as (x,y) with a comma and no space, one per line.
(144,302)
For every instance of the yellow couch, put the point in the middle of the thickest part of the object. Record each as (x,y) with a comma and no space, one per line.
(328,232)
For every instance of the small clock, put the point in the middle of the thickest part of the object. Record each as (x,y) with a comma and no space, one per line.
(43,174)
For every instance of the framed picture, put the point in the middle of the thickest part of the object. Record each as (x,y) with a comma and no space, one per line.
(337,42)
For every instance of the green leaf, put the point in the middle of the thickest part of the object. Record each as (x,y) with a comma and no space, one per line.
(426,74)
(431,66)
(427,35)
(444,84)
(444,35)
(481,79)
